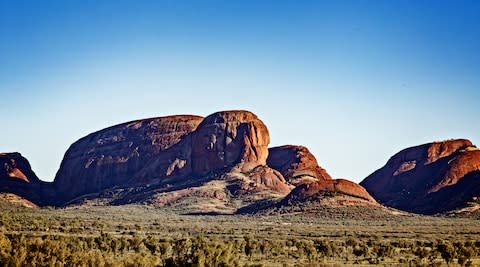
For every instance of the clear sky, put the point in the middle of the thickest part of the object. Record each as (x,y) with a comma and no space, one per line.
(354,81)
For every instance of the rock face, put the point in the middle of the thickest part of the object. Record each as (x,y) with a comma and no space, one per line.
(226,138)
(296,164)
(112,156)
(258,179)
(337,186)
(14,167)
(221,141)
(429,178)
(18,178)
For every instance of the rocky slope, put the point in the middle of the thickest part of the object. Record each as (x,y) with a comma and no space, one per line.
(9,200)
(430,178)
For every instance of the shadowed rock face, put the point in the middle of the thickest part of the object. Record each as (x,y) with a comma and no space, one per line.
(296,164)
(13,166)
(416,178)
(226,138)
(114,155)
(17,177)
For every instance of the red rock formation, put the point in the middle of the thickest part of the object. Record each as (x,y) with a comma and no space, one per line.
(227,138)
(162,150)
(267,178)
(414,178)
(113,156)
(459,166)
(222,156)
(15,166)
(296,164)
(320,188)
(18,178)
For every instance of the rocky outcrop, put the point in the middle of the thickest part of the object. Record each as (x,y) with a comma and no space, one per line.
(227,138)
(113,156)
(318,190)
(14,167)
(18,178)
(313,183)
(261,178)
(296,164)
(417,179)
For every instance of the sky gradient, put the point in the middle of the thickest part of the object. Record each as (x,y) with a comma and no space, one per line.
(354,81)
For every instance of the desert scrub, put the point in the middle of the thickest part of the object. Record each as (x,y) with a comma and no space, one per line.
(140,236)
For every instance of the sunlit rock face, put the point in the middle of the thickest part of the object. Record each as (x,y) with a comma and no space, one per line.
(418,178)
(226,138)
(336,192)
(112,156)
(296,164)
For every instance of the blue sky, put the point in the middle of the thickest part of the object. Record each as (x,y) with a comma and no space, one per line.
(355,81)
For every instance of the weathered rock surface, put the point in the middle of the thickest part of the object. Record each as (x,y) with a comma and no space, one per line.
(112,156)
(227,138)
(296,164)
(258,179)
(321,189)
(221,141)
(430,178)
